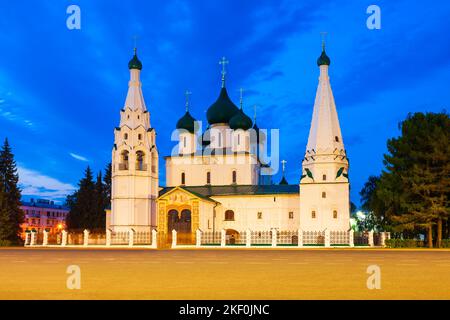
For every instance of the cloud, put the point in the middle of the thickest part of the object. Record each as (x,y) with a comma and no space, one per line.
(34,183)
(78,157)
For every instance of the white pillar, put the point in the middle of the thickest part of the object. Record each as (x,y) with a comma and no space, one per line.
(86,237)
(327,238)
(198,238)
(131,237)
(300,238)
(154,238)
(223,238)
(371,238)
(108,237)
(64,238)
(248,240)
(45,241)
(351,238)
(33,238)
(383,239)
(27,238)
(174,238)
(274,237)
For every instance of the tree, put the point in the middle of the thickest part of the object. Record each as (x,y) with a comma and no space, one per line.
(107,180)
(87,204)
(11,215)
(413,189)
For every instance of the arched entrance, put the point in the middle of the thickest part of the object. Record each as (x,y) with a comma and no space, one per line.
(232,236)
(181,222)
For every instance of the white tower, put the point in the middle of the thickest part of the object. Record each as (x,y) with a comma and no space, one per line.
(134,162)
(324,187)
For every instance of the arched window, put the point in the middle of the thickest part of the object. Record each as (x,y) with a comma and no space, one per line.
(183,178)
(208,177)
(229,215)
(234,176)
(313,214)
(335,215)
(123,165)
(140,161)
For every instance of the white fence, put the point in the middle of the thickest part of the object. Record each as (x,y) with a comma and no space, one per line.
(110,239)
(285,238)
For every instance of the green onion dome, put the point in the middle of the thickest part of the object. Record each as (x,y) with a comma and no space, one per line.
(240,121)
(323,60)
(135,63)
(187,122)
(222,110)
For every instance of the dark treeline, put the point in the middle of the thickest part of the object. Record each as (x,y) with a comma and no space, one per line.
(411,195)
(87,204)
(11,215)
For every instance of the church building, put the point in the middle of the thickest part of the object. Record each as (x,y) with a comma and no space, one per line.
(219,179)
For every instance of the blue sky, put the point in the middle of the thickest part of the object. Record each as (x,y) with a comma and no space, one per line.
(61,90)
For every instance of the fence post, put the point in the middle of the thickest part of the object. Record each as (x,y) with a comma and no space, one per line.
(371,238)
(274,237)
(64,238)
(300,237)
(198,238)
(108,237)
(86,237)
(327,238)
(351,238)
(248,239)
(45,240)
(223,238)
(33,238)
(174,238)
(27,239)
(382,239)
(154,238)
(131,237)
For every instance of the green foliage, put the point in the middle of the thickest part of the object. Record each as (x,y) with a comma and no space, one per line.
(11,216)
(87,205)
(404,243)
(412,193)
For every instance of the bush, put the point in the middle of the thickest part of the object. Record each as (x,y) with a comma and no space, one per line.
(404,243)
(446,243)
(5,243)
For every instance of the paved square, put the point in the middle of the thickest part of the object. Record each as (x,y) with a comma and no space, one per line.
(224,274)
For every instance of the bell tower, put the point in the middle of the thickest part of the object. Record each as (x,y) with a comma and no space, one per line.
(134,162)
(324,186)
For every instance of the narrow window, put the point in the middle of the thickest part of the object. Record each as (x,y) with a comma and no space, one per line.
(234,177)
(313,214)
(324,195)
(335,214)
(208,177)
(229,215)
(259,215)
(183,178)
(291,215)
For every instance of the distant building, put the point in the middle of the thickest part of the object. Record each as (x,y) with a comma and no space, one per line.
(43,215)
